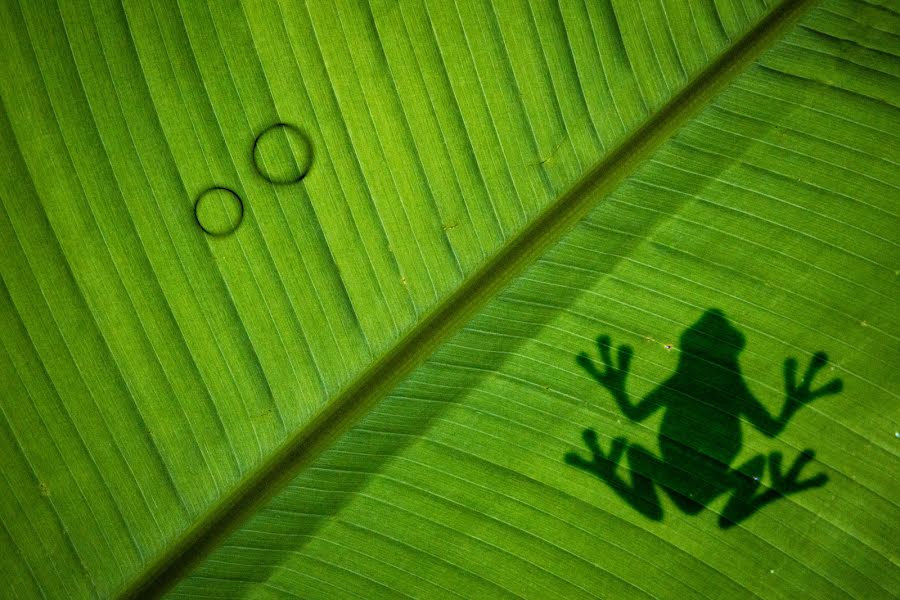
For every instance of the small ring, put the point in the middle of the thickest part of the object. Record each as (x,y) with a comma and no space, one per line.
(233,194)
(303,171)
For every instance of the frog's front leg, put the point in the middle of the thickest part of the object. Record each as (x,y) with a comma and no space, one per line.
(611,377)
(798,393)
(644,467)
(801,392)
(744,502)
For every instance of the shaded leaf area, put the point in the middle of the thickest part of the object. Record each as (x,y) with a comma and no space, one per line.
(146,366)
(776,205)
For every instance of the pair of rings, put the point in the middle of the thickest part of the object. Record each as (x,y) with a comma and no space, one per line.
(276,177)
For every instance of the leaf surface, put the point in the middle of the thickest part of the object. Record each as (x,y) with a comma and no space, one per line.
(161,383)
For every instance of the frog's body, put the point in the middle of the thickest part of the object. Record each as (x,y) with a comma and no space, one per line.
(700,435)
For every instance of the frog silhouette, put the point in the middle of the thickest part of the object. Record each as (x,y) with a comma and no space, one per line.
(700,435)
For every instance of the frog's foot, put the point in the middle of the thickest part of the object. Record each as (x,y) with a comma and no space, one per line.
(789,483)
(644,467)
(746,501)
(801,392)
(612,377)
(604,465)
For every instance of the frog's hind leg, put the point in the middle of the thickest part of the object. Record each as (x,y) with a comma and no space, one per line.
(641,494)
(645,469)
(743,502)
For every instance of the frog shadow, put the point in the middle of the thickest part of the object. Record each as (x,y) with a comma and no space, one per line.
(705,400)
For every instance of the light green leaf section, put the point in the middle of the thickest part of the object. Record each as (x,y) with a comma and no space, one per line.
(778,205)
(146,368)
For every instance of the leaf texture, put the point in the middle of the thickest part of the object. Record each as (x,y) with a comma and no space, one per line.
(777,205)
(148,368)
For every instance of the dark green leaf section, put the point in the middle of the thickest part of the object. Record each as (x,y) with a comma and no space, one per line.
(775,205)
(148,367)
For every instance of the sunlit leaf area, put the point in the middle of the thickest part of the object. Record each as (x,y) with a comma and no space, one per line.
(472,299)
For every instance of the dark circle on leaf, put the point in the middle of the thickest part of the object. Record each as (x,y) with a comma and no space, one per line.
(299,166)
(236,208)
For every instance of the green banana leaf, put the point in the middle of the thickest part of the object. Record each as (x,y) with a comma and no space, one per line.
(433,299)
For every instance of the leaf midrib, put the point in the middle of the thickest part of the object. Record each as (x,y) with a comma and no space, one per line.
(339,415)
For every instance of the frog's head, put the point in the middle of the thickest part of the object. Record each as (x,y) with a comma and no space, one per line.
(713,338)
